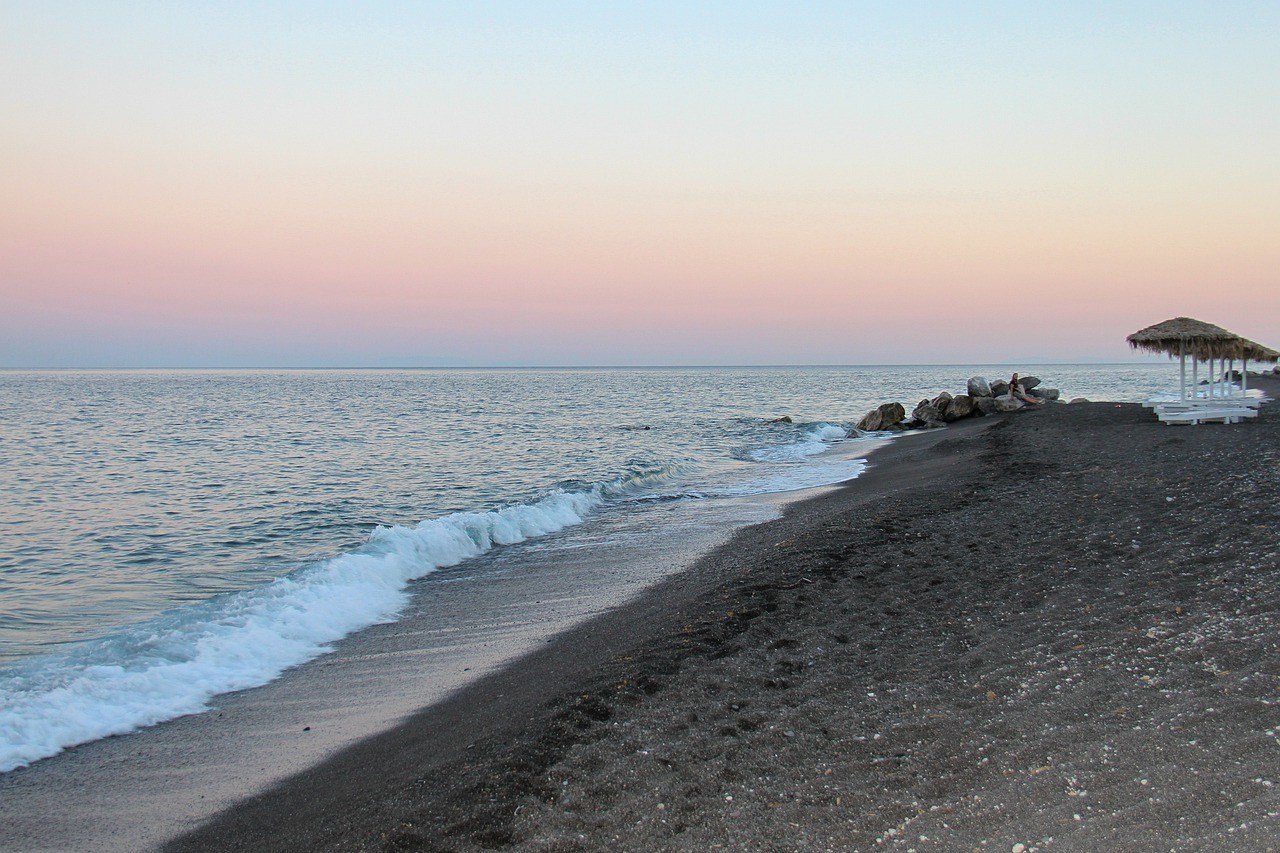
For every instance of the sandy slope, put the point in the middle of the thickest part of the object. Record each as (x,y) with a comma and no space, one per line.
(1059,632)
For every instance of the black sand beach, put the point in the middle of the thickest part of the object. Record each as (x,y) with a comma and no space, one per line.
(1055,630)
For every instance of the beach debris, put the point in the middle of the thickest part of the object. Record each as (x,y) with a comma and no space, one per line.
(977,386)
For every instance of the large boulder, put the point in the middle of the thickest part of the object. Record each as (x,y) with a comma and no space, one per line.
(1045,393)
(941,400)
(999,388)
(961,406)
(985,405)
(1080,399)
(978,387)
(870,422)
(1028,382)
(1008,404)
(891,415)
(884,416)
(926,416)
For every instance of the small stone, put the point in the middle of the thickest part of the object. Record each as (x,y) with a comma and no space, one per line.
(1018,848)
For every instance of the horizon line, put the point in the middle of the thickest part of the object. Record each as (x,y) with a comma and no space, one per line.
(703,366)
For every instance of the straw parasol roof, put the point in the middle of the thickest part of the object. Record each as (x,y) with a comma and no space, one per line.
(1185,334)
(1255,351)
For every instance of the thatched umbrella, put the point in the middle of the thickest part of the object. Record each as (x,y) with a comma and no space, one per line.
(1183,336)
(1247,349)
(1253,350)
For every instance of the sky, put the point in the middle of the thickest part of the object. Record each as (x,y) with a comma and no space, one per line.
(419,184)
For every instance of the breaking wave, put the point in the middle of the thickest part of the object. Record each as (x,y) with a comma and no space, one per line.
(174,664)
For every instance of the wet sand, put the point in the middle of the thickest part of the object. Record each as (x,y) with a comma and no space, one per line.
(1056,630)
(140,790)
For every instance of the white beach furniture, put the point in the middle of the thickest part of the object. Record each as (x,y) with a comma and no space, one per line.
(1226,413)
(1253,398)
(1218,400)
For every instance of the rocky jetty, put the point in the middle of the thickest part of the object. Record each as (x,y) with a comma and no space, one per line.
(981,397)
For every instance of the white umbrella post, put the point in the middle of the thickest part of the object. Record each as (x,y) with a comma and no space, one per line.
(1182,370)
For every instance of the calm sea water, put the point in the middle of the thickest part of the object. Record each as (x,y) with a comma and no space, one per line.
(168,536)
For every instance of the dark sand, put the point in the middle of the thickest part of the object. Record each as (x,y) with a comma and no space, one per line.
(1057,630)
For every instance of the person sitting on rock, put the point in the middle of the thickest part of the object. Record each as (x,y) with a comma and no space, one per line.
(1016,393)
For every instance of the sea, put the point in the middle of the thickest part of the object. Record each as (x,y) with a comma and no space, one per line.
(167,537)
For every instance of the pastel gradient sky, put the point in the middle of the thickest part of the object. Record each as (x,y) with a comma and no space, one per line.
(381,183)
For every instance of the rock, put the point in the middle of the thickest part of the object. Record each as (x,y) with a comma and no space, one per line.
(1008,404)
(1080,400)
(892,415)
(978,387)
(1045,393)
(884,416)
(1028,382)
(927,416)
(961,406)
(985,405)
(870,422)
(785,419)
(999,388)
(940,402)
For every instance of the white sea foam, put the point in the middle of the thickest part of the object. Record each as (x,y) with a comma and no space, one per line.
(174,664)
(815,439)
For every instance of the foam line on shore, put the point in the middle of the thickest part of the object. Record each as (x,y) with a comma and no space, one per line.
(174,664)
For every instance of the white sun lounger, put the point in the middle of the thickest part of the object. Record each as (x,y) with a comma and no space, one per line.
(1202,414)
(1252,398)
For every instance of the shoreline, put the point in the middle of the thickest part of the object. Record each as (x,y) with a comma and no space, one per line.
(1012,638)
(463,622)
(334,804)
